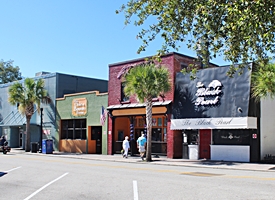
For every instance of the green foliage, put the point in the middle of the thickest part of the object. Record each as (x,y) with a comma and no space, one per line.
(9,73)
(147,81)
(31,93)
(263,81)
(240,30)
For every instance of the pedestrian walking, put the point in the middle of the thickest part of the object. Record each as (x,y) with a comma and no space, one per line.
(126,147)
(141,145)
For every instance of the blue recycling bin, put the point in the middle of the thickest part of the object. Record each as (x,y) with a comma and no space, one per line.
(47,146)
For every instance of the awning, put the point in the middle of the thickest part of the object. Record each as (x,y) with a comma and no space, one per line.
(159,107)
(137,105)
(14,118)
(215,123)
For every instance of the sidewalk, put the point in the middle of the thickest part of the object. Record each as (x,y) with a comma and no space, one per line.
(161,160)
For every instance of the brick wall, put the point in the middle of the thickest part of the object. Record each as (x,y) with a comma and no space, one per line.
(173,62)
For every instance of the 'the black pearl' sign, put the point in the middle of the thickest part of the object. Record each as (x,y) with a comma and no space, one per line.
(212,92)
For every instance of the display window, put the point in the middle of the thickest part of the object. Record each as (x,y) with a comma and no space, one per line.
(73,129)
(231,137)
(159,127)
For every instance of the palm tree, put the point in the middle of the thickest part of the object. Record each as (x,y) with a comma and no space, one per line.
(263,81)
(146,81)
(27,95)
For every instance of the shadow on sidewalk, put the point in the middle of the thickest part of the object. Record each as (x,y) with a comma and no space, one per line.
(213,163)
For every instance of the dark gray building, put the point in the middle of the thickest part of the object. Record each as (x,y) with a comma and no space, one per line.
(218,117)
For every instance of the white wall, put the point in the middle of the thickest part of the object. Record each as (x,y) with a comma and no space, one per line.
(267,127)
(230,153)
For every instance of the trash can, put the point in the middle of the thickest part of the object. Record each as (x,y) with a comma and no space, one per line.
(34,147)
(47,146)
(193,151)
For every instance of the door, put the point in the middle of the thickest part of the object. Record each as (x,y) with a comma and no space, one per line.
(21,138)
(97,136)
(204,144)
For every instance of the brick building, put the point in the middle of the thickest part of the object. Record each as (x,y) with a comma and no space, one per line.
(125,112)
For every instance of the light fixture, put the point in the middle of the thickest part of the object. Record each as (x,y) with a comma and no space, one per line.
(240,110)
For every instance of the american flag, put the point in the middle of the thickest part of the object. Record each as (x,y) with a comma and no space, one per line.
(103,115)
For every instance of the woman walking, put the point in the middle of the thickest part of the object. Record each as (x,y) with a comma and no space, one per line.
(126,147)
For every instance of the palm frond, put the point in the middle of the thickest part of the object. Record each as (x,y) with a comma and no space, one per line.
(146,81)
(263,82)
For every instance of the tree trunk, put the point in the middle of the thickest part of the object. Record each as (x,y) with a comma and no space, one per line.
(28,135)
(149,129)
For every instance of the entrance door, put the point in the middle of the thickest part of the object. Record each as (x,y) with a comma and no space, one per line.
(21,138)
(97,136)
(204,145)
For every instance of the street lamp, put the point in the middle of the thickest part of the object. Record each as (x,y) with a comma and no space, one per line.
(41,129)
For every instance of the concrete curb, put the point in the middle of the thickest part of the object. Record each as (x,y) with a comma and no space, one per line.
(160,161)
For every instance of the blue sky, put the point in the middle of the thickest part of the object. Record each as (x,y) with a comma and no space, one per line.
(79,37)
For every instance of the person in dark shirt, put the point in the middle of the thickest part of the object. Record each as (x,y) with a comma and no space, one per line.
(2,140)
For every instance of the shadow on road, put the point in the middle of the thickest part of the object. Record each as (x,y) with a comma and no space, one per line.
(3,174)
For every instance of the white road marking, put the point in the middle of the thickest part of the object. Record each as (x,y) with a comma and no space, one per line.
(45,186)
(135,190)
(13,169)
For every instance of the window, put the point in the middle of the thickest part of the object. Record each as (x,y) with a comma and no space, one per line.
(159,121)
(231,137)
(157,134)
(159,128)
(73,129)
(192,136)
(154,122)
(141,122)
(123,97)
(183,66)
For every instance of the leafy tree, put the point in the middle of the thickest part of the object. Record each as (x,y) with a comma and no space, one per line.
(263,81)
(30,93)
(240,30)
(9,73)
(146,81)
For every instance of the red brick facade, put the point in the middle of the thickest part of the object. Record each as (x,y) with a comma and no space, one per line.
(173,62)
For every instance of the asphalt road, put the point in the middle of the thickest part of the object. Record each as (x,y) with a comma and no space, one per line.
(24,177)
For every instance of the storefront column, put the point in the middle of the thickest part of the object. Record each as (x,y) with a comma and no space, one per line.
(170,139)
(111,122)
(178,139)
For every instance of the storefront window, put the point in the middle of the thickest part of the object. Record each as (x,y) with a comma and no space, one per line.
(158,128)
(141,122)
(159,121)
(120,135)
(231,137)
(154,122)
(73,129)
(156,134)
(164,135)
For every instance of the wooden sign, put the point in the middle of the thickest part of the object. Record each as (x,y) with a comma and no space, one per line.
(79,107)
